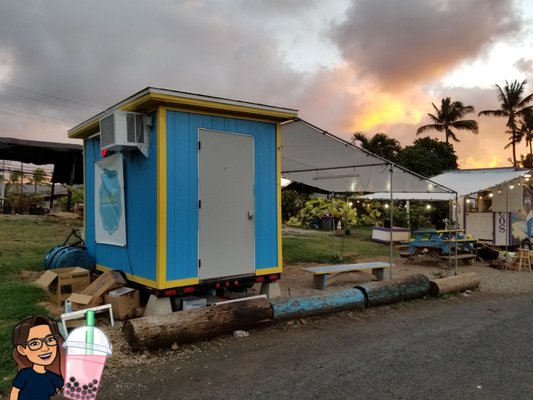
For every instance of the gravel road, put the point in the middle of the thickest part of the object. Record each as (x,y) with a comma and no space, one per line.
(465,347)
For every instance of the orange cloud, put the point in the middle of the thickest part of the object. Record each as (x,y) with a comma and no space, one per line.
(385,109)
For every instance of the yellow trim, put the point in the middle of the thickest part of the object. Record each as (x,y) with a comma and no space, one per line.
(246,109)
(161,257)
(151,283)
(141,103)
(134,278)
(267,271)
(180,282)
(278,193)
(84,191)
(219,114)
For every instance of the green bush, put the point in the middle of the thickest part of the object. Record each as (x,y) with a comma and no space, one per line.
(291,203)
(316,209)
(368,213)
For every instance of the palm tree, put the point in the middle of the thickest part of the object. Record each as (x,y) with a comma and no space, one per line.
(448,119)
(379,144)
(526,128)
(38,176)
(16,178)
(513,105)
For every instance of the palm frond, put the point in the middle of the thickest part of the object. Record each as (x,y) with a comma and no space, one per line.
(451,134)
(493,113)
(437,127)
(466,125)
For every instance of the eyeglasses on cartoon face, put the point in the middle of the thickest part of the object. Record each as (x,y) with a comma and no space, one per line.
(37,343)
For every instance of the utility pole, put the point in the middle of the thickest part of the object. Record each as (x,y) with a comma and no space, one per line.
(3,184)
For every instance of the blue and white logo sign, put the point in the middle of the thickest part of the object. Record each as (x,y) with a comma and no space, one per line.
(110,201)
(110,224)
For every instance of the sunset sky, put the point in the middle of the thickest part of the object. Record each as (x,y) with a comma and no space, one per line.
(346,65)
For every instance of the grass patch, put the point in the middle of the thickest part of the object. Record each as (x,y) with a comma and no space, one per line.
(24,242)
(321,247)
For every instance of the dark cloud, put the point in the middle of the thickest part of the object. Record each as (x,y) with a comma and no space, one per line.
(525,65)
(100,52)
(412,41)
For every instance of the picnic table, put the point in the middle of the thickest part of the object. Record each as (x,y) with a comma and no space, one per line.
(441,244)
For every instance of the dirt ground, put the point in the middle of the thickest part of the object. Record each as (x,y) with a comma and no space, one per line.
(296,282)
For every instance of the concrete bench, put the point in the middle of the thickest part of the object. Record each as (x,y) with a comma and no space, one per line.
(327,274)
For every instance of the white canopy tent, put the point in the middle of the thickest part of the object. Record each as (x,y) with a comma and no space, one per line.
(464,182)
(317,158)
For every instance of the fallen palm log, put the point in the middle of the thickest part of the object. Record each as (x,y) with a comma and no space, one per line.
(180,327)
(306,306)
(395,290)
(456,283)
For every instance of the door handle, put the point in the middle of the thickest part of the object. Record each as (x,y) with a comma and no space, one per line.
(250,214)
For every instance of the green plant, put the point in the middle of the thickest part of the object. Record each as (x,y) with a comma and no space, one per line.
(291,203)
(316,209)
(75,197)
(368,213)
(20,202)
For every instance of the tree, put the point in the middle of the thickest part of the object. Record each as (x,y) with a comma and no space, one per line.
(526,129)
(16,178)
(428,157)
(38,177)
(513,105)
(449,118)
(379,144)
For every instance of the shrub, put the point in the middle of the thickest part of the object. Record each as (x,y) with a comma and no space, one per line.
(291,203)
(316,209)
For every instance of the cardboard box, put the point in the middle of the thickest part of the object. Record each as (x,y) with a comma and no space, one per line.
(62,282)
(93,295)
(123,301)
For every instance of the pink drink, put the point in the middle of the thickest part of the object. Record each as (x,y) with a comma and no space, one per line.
(83,376)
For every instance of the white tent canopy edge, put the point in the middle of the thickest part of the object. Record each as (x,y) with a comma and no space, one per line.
(317,158)
(465,182)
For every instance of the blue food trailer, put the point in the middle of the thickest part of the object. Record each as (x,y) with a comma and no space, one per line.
(182,191)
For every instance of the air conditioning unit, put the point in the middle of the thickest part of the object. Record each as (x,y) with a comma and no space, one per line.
(123,130)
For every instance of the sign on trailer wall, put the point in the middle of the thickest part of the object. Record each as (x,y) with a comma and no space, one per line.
(110,216)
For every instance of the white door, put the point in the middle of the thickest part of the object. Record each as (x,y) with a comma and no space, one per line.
(226,204)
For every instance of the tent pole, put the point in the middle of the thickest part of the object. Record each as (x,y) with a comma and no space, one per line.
(408,213)
(333,225)
(456,234)
(391,221)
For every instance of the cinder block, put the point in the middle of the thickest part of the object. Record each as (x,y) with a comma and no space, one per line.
(158,306)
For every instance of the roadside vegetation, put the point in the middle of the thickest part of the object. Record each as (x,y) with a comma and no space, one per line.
(24,241)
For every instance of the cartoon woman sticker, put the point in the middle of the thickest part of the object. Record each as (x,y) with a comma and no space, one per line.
(38,353)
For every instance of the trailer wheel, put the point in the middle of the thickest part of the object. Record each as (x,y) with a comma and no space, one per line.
(526,244)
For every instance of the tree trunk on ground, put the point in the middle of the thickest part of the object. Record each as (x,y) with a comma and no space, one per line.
(395,290)
(457,283)
(180,327)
